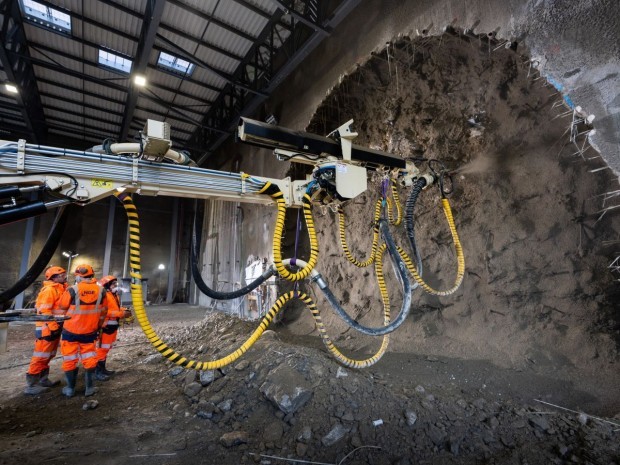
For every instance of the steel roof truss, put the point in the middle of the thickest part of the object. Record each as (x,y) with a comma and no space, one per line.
(13,55)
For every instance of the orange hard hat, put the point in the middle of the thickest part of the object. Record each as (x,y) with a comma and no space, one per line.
(53,271)
(84,271)
(107,281)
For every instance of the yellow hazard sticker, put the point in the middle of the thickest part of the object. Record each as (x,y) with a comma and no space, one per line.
(101,183)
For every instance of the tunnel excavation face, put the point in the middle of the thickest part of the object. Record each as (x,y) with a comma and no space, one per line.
(537,289)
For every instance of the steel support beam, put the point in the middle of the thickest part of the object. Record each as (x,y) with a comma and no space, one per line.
(150,24)
(13,45)
(306,35)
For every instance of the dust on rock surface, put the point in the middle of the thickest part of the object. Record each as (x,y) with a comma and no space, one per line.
(534,320)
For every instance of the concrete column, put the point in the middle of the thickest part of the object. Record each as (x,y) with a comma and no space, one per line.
(108,240)
(173,251)
(19,300)
(4,332)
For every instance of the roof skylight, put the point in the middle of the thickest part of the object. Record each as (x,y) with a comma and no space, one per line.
(117,62)
(175,64)
(46,16)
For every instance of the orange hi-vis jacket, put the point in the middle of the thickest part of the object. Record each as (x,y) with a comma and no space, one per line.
(48,304)
(115,311)
(87,306)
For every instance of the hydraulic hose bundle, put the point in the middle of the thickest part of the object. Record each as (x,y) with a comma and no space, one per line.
(179,359)
(140,311)
(401,274)
(275,193)
(44,256)
(403,265)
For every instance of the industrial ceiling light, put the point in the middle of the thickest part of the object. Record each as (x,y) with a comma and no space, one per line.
(161,266)
(139,80)
(10,88)
(70,255)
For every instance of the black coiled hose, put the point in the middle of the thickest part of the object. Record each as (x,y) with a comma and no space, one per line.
(206,290)
(401,273)
(44,257)
(409,207)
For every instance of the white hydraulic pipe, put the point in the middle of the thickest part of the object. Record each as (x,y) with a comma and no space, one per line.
(134,147)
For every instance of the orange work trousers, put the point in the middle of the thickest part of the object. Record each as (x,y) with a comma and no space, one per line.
(106,341)
(44,352)
(73,352)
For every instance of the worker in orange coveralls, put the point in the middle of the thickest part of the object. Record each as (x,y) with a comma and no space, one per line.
(46,332)
(110,326)
(86,304)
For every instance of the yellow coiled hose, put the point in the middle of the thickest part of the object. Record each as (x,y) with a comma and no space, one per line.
(375,230)
(276,194)
(399,211)
(140,312)
(460,269)
(178,359)
(375,237)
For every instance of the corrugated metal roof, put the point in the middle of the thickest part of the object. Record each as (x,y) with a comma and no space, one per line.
(110,41)
(219,61)
(54,76)
(203,92)
(215,35)
(122,22)
(105,92)
(236,15)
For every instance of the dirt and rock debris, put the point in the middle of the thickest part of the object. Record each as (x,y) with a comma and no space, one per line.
(286,400)
(520,366)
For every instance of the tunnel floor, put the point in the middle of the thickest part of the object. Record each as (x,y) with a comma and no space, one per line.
(406,409)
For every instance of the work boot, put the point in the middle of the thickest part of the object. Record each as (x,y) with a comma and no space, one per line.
(100,374)
(45,381)
(89,380)
(71,378)
(104,369)
(33,388)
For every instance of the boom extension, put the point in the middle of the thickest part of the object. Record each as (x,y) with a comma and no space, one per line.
(84,177)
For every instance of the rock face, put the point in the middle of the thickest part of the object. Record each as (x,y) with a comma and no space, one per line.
(286,388)
(537,289)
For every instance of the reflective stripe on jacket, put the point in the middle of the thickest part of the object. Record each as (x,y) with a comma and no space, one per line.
(47,304)
(115,311)
(87,306)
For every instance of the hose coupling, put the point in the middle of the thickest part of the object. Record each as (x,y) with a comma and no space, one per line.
(429,178)
(269,272)
(319,280)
